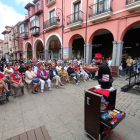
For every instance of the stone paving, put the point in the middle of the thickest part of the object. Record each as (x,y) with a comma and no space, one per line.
(62,112)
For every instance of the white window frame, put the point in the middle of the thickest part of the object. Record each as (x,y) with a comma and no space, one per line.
(73,3)
(54,8)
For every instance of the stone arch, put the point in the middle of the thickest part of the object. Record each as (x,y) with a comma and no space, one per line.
(95,32)
(47,42)
(72,38)
(26,45)
(127,28)
(35,45)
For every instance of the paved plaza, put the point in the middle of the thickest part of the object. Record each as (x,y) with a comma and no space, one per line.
(62,112)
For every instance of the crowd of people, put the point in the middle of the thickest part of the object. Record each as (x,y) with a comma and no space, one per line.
(38,72)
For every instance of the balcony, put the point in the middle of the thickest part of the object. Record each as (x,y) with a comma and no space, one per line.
(5,42)
(50,2)
(75,20)
(34,26)
(16,35)
(50,24)
(100,11)
(24,35)
(133,5)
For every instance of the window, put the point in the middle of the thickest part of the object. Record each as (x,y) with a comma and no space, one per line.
(29,13)
(77,9)
(37,6)
(24,28)
(52,17)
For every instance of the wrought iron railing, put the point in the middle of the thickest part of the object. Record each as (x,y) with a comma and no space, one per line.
(24,35)
(50,22)
(48,1)
(99,8)
(75,17)
(131,1)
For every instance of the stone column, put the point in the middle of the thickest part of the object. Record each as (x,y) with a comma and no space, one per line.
(67,52)
(88,52)
(114,54)
(119,52)
(46,55)
(18,55)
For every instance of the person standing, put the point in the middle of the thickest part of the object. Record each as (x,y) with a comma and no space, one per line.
(109,62)
(120,70)
(135,67)
(129,63)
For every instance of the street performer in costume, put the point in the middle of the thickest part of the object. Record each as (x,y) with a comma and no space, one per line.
(102,68)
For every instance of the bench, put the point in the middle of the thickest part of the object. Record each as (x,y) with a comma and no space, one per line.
(35,134)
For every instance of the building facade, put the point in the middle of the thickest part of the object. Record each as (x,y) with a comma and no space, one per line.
(1,48)
(112,29)
(7,41)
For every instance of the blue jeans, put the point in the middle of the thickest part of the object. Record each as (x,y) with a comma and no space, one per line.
(75,75)
(120,72)
(8,82)
(128,69)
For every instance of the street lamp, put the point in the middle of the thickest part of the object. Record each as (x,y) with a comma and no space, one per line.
(58,20)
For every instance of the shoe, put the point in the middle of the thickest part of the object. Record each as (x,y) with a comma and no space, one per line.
(89,79)
(50,89)
(61,84)
(33,92)
(1,98)
(74,78)
(36,90)
(77,84)
(9,93)
(78,81)
(15,96)
(120,76)
(85,81)
(42,91)
(22,91)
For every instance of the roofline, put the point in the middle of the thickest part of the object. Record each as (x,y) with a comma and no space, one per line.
(28,5)
(35,1)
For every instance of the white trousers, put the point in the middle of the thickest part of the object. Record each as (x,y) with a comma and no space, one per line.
(58,80)
(43,83)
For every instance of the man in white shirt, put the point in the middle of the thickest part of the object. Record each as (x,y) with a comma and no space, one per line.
(58,67)
(109,62)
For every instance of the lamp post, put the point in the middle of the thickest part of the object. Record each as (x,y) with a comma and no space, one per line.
(58,20)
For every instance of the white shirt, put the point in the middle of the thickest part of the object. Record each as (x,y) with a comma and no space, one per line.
(120,68)
(109,63)
(65,68)
(6,74)
(58,68)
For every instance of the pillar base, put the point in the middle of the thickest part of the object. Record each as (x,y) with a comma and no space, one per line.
(114,71)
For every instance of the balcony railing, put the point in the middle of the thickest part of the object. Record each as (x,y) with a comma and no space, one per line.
(131,1)
(133,5)
(24,35)
(99,8)
(35,31)
(50,2)
(51,23)
(75,17)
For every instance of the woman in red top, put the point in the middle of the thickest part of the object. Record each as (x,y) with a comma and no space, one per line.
(16,80)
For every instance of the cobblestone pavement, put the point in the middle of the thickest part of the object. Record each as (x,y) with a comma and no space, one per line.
(62,112)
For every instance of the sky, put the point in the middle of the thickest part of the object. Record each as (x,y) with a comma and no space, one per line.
(11,12)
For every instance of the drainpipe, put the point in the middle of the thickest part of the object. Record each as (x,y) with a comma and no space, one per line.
(43,27)
(62,29)
(86,30)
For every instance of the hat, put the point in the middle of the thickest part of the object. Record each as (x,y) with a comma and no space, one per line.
(38,63)
(105,84)
(15,68)
(98,56)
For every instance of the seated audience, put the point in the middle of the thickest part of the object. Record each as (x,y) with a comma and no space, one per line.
(43,76)
(54,75)
(66,67)
(30,78)
(7,73)
(77,70)
(22,70)
(63,74)
(58,67)
(32,66)
(62,64)
(36,68)
(72,73)
(16,81)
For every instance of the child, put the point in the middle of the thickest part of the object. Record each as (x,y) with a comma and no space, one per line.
(120,70)
(63,74)
(47,69)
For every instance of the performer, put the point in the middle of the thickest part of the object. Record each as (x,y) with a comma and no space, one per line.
(102,68)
